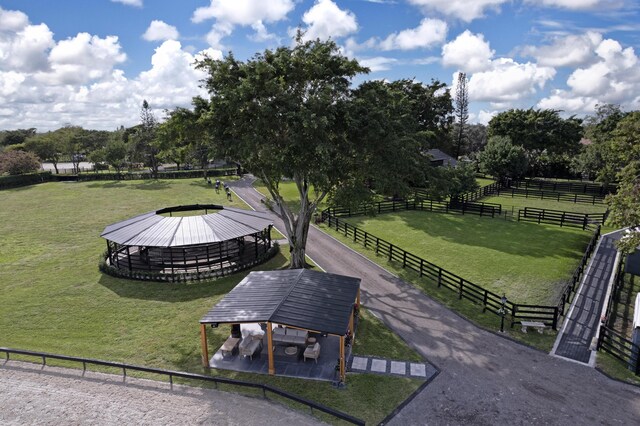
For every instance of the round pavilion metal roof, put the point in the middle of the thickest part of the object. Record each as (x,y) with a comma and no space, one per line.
(154,230)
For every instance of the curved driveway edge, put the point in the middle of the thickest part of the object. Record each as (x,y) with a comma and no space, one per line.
(485,379)
(32,394)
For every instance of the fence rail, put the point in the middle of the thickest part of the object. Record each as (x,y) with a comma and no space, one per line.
(562,218)
(551,195)
(191,376)
(572,187)
(549,315)
(620,347)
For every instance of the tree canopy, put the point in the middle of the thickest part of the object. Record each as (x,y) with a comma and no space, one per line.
(541,129)
(501,159)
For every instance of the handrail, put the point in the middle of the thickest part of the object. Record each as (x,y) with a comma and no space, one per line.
(192,376)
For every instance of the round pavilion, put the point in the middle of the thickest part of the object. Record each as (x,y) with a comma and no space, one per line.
(171,242)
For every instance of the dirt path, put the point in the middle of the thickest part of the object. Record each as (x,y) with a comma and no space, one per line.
(57,396)
(485,379)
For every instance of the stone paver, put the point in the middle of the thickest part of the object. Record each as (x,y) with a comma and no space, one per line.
(379,365)
(417,370)
(398,368)
(359,363)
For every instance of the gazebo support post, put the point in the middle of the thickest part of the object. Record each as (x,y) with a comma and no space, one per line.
(203,342)
(272,367)
(353,334)
(129,259)
(109,252)
(255,238)
(342,372)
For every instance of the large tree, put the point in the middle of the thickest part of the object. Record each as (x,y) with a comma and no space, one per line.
(47,146)
(282,114)
(461,112)
(501,159)
(538,130)
(145,145)
(625,157)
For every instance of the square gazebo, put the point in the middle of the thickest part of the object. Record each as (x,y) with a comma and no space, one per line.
(296,299)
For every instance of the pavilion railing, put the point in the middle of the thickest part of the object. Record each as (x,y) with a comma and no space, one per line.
(190,376)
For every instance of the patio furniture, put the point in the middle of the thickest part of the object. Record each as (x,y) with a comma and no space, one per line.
(291,350)
(290,336)
(313,352)
(311,340)
(229,345)
(250,345)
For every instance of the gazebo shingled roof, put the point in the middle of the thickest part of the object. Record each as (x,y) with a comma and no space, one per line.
(299,298)
(152,229)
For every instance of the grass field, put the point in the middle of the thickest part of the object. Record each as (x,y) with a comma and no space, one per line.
(513,204)
(484,181)
(54,299)
(527,261)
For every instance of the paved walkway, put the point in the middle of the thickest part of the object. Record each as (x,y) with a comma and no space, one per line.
(484,379)
(580,326)
(420,370)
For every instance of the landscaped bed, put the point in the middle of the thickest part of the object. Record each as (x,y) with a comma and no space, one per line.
(55,300)
(527,261)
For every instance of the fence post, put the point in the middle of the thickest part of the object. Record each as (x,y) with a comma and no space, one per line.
(421,266)
(377,244)
(484,301)
(439,277)
(555,319)
(366,235)
(461,287)
(355,234)
(514,309)
(390,252)
(404,258)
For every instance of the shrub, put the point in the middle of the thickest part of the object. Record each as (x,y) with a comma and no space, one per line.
(18,162)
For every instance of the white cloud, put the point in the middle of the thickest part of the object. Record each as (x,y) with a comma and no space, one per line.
(468,52)
(12,20)
(249,13)
(430,32)
(325,19)
(159,30)
(578,4)
(508,81)
(136,3)
(466,10)
(569,51)
(79,81)
(613,78)
(378,63)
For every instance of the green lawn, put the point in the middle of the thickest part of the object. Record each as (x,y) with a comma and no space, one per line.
(484,181)
(54,299)
(513,204)
(527,261)
(289,192)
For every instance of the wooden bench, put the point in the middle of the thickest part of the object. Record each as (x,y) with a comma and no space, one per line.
(539,326)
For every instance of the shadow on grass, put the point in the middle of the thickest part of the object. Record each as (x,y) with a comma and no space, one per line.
(108,184)
(153,185)
(169,292)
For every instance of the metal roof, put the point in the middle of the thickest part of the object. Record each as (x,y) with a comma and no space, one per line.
(301,298)
(153,230)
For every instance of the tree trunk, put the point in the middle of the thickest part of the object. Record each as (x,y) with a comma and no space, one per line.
(55,166)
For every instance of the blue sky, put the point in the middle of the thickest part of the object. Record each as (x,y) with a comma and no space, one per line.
(92,62)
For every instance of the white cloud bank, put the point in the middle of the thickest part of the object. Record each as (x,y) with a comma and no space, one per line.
(465,10)
(430,32)
(160,31)
(247,13)
(326,20)
(135,3)
(500,81)
(45,83)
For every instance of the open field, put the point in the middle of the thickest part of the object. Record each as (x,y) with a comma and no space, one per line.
(526,261)
(513,204)
(54,299)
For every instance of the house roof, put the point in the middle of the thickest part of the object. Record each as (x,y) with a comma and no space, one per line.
(154,230)
(437,156)
(301,298)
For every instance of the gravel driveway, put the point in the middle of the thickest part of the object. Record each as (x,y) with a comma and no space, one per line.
(34,395)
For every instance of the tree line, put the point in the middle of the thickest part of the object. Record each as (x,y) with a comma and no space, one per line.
(294,114)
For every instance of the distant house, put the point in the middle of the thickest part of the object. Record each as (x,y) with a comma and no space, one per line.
(439,158)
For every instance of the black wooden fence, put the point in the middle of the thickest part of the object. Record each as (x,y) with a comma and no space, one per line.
(190,376)
(443,278)
(551,195)
(549,315)
(561,218)
(572,187)
(619,347)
